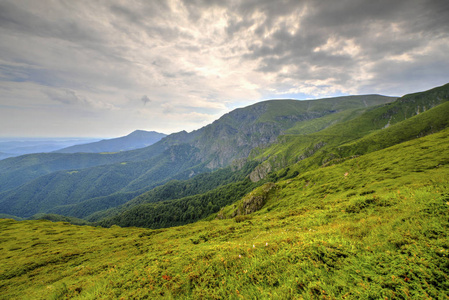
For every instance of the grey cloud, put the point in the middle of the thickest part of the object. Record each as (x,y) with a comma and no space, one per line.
(14,17)
(145,99)
(179,74)
(138,11)
(151,17)
(66,96)
(75,99)
(24,72)
(387,73)
(55,31)
(369,24)
(168,108)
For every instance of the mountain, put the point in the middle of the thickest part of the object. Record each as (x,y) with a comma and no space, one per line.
(136,139)
(351,204)
(322,146)
(48,182)
(357,133)
(372,226)
(5,155)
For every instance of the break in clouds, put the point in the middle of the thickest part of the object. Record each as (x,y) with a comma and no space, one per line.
(196,60)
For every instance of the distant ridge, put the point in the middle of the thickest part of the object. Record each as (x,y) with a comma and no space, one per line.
(16,146)
(135,140)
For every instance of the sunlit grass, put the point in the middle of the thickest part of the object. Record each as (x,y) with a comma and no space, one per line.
(372,227)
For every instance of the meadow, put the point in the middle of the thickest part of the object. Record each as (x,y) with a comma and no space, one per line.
(368,227)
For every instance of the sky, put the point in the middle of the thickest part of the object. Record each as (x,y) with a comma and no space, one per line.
(106,68)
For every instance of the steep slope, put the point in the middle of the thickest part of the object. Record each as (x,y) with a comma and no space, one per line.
(179,156)
(323,145)
(299,153)
(235,134)
(134,140)
(372,227)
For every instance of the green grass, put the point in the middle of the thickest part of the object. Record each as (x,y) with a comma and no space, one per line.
(368,130)
(372,227)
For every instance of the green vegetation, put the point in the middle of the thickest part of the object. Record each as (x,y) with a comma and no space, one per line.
(59,218)
(364,131)
(180,211)
(228,183)
(371,227)
(340,200)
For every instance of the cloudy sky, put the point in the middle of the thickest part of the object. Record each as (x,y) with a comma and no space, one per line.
(106,68)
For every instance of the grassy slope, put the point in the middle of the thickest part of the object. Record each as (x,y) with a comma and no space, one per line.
(370,227)
(425,123)
(277,110)
(426,113)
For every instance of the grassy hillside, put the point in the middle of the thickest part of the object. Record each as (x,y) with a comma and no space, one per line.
(371,227)
(358,132)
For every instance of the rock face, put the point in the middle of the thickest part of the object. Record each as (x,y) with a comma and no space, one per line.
(235,134)
(260,171)
(254,201)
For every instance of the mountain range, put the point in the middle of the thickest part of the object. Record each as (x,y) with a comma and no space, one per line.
(12,147)
(81,184)
(332,198)
(246,144)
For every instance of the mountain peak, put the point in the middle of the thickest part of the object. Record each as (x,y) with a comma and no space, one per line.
(135,140)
